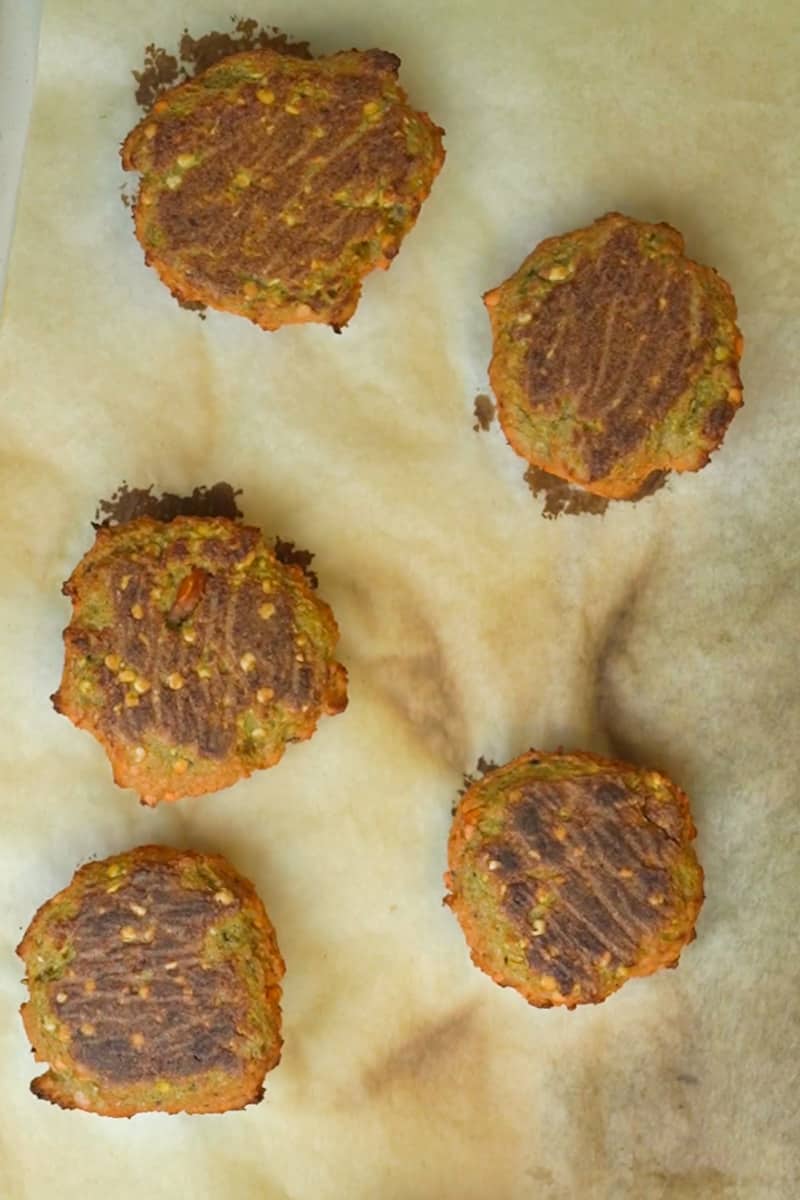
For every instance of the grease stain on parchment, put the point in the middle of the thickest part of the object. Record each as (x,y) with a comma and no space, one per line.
(614,661)
(420,686)
(698,1183)
(400,649)
(647,1056)
(432,1090)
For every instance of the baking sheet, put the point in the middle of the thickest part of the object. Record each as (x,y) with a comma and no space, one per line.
(665,631)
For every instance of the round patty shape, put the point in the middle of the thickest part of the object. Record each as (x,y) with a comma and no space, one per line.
(615,356)
(570,873)
(271,185)
(154,983)
(193,655)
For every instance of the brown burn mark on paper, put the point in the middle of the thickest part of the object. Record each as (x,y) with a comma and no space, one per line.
(433,1078)
(614,696)
(289,554)
(598,1077)
(422,1053)
(420,685)
(219,500)
(162,70)
(400,648)
(611,649)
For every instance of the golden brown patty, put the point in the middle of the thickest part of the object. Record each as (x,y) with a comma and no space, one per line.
(615,356)
(271,185)
(193,655)
(570,873)
(154,983)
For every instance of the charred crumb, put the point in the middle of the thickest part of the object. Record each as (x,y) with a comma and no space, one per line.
(562,498)
(288,554)
(161,70)
(197,54)
(483,767)
(195,306)
(127,504)
(466,784)
(654,483)
(484,412)
(566,499)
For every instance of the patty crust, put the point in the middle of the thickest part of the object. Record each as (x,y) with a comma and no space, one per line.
(571,873)
(154,983)
(271,184)
(194,655)
(615,357)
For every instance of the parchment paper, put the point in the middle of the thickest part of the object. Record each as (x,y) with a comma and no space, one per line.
(665,631)
(19,31)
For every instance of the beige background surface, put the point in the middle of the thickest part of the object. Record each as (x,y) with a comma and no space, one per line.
(666,631)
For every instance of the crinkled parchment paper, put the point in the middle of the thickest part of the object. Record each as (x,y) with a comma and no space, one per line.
(664,631)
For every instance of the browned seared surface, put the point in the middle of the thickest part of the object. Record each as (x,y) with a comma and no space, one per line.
(152,931)
(271,185)
(615,356)
(154,984)
(570,873)
(194,655)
